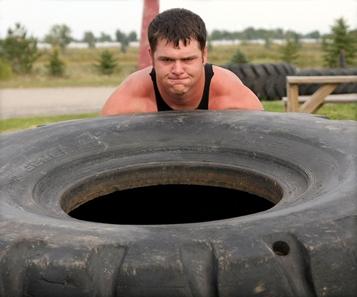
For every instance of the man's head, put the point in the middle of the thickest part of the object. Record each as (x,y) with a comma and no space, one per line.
(178,51)
(175,25)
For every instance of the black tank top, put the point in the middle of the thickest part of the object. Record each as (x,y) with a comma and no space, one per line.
(161,104)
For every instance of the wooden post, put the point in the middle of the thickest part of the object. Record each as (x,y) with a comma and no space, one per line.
(293,96)
(150,10)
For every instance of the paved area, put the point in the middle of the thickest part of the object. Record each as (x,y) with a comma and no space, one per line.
(52,101)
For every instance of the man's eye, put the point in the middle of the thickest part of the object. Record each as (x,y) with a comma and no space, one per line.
(189,60)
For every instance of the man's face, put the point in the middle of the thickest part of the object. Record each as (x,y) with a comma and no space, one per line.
(178,68)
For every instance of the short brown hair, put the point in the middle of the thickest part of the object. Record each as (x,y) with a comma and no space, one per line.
(175,25)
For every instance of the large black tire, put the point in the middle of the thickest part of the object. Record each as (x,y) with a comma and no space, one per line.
(267,81)
(341,88)
(304,246)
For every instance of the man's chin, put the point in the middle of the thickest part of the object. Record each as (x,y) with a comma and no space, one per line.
(179,90)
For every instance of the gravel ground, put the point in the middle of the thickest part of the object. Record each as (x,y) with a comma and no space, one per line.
(52,101)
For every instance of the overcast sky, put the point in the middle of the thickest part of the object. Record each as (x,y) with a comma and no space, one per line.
(234,15)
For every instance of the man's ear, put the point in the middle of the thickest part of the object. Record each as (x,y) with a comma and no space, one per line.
(151,54)
(205,55)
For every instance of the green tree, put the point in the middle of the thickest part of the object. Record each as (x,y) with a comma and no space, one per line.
(5,70)
(107,64)
(339,46)
(290,51)
(267,42)
(104,37)
(313,34)
(59,36)
(119,36)
(19,50)
(239,58)
(123,39)
(124,45)
(132,36)
(249,33)
(354,34)
(215,35)
(89,38)
(55,66)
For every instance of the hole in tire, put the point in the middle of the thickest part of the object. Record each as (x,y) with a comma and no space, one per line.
(170,195)
(170,204)
(281,248)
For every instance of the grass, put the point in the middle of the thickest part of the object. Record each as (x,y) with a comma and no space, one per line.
(332,111)
(340,111)
(10,125)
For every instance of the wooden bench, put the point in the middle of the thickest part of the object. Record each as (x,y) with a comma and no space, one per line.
(322,95)
(334,98)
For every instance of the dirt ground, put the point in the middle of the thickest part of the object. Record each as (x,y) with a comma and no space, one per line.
(52,101)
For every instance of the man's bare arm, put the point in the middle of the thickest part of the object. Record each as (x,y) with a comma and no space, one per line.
(132,96)
(228,92)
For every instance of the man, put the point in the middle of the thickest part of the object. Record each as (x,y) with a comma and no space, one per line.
(179,78)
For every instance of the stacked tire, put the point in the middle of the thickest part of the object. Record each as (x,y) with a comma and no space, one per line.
(268,81)
(340,89)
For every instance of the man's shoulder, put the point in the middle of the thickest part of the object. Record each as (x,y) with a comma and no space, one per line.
(142,72)
(139,78)
(228,92)
(221,73)
(224,81)
(135,94)
(137,84)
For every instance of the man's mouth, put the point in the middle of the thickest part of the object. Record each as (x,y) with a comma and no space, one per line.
(177,80)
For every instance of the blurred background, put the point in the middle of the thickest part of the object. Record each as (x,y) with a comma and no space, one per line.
(95,43)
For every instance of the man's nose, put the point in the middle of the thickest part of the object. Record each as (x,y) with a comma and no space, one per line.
(177,67)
